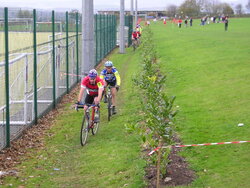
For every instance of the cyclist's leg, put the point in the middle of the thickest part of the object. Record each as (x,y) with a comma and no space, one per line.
(95,99)
(88,100)
(133,43)
(113,92)
(97,118)
(104,92)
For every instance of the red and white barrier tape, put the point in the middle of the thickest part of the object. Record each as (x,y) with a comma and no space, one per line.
(207,144)
(63,74)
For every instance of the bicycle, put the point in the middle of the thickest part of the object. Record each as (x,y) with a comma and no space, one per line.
(134,44)
(109,101)
(89,122)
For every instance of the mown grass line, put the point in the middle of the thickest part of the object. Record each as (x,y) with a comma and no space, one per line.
(112,158)
(208,70)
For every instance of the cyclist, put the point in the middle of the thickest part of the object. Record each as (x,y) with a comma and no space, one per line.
(94,86)
(135,37)
(139,30)
(112,78)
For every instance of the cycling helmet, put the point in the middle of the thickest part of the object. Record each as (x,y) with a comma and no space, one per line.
(92,73)
(108,64)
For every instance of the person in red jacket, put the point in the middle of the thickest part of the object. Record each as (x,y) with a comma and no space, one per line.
(94,86)
(164,21)
(135,35)
(179,22)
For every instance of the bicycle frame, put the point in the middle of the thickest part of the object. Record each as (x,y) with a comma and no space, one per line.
(109,98)
(88,122)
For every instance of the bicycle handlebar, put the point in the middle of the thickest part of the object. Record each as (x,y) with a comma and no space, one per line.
(82,106)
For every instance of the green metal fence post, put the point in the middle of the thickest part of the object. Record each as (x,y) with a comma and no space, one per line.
(108,35)
(102,37)
(35,66)
(77,49)
(96,41)
(98,37)
(115,39)
(110,32)
(107,39)
(67,51)
(7,77)
(54,59)
(115,29)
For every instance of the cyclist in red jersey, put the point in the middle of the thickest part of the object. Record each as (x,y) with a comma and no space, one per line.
(94,86)
(134,35)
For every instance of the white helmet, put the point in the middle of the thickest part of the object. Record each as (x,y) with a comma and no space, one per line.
(108,64)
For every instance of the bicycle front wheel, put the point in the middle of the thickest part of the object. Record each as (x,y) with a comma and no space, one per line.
(96,124)
(84,130)
(109,108)
(134,47)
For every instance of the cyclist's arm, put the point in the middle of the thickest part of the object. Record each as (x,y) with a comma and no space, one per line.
(81,93)
(118,78)
(102,76)
(100,91)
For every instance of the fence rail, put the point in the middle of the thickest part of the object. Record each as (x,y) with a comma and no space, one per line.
(39,61)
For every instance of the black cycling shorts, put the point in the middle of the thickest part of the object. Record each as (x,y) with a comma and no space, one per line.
(112,84)
(89,99)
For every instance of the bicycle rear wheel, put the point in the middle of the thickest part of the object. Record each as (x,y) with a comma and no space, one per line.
(96,124)
(109,107)
(134,47)
(84,130)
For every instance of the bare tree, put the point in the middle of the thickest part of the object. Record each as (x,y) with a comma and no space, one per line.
(190,8)
(171,10)
(248,5)
(211,6)
(239,9)
(24,14)
(227,9)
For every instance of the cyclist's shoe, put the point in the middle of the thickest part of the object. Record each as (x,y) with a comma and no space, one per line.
(105,100)
(114,110)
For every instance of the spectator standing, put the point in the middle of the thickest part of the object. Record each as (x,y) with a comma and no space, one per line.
(191,22)
(179,22)
(226,23)
(186,22)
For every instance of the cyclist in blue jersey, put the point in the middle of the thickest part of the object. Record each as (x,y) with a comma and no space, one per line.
(112,78)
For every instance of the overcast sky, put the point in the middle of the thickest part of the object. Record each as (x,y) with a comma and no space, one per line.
(98,4)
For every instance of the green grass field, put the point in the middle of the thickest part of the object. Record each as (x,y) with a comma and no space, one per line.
(208,71)
(17,42)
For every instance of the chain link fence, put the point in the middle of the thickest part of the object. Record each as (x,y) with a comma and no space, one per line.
(40,55)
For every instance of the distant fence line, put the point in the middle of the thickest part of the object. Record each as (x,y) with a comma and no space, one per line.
(33,78)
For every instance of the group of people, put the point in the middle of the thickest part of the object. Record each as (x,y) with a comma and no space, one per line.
(95,86)
(223,19)
(186,21)
(136,34)
(204,21)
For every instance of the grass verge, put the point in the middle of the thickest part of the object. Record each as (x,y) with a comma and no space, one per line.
(208,70)
(112,158)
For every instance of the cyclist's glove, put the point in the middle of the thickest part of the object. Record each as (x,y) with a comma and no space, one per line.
(78,103)
(117,87)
